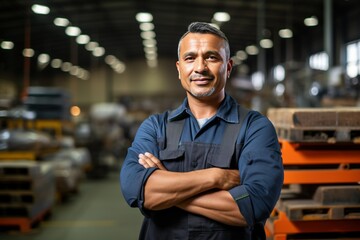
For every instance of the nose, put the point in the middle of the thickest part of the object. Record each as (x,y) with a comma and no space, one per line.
(201,65)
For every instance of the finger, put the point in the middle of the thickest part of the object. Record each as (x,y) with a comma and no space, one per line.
(155,160)
(143,163)
(148,161)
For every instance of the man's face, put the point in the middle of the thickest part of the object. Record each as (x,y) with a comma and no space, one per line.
(202,66)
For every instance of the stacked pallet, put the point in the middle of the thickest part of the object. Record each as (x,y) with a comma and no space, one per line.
(27,192)
(321,157)
(317,124)
(48,103)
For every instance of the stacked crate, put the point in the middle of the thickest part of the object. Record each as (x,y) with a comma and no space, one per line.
(48,103)
(321,157)
(27,192)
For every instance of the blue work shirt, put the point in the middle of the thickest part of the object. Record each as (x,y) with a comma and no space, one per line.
(259,163)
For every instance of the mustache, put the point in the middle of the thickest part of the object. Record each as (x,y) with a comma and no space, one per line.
(197,76)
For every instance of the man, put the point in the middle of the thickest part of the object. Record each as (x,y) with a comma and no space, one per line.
(210,169)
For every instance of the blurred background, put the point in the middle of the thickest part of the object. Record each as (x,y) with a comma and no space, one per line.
(78,77)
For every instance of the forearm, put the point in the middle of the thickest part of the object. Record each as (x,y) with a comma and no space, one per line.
(165,189)
(217,205)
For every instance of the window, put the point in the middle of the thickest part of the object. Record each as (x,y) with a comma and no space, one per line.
(319,61)
(353,59)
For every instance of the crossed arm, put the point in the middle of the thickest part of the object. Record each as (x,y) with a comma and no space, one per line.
(202,192)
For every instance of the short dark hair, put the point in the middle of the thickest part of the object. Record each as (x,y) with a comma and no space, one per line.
(203,27)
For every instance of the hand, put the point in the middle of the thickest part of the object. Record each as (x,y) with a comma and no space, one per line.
(226,178)
(148,160)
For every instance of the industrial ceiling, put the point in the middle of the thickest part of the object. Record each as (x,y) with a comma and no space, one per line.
(112,24)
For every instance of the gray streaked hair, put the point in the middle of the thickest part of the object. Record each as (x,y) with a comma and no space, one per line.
(204,28)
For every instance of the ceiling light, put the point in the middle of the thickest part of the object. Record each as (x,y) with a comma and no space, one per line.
(241,55)
(74,70)
(83,39)
(279,73)
(148,34)
(146,26)
(144,17)
(110,59)
(66,66)
(28,52)
(43,58)
(40,9)
(7,45)
(221,16)
(56,63)
(98,51)
(72,31)
(266,43)
(285,33)
(61,22)
(91,46)
(311,21)
(252,50)
(149,42)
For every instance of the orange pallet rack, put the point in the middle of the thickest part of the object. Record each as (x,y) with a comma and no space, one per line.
(294,156)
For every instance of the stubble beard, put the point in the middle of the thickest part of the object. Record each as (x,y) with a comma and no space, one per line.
(203,94)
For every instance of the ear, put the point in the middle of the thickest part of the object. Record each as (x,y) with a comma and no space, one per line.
(229,67)
(178,68)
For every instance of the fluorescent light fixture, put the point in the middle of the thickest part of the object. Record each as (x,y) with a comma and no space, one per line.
(311,21)
(266,43)
(279,73)
(147,34)
(110,59)
(241,55)
(56,63)
(98,51)
(7,45)
(146,26)
(144,17)
(40,9)
(221,17)
(28,52)
(72,31)
(285,33)
(61,22)
(279,90)
(91,46)
(257,80)
(44,58)
(66,66)
(149,42)
(82,39)
(252,50)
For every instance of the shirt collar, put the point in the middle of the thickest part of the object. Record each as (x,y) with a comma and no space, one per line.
(228,111)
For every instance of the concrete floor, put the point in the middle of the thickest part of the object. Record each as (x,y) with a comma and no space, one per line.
(97,212)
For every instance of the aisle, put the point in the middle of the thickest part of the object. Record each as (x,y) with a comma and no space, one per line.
(97,212)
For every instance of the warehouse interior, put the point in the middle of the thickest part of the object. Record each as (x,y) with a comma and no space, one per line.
(78,77)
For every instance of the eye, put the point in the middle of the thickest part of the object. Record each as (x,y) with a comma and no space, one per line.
(189,58)
(212,57)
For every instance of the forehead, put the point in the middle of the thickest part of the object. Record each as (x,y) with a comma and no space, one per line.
(196,40)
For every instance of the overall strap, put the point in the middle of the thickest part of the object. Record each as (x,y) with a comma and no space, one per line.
(175,128)
(173,134)
(230,135)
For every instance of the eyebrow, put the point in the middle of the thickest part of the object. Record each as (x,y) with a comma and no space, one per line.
(192,53)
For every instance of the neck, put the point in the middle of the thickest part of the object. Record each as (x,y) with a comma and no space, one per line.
(204,107)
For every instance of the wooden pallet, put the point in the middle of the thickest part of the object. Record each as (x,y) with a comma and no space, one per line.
(304,210)
(328,125)
(24,224)
(315,117)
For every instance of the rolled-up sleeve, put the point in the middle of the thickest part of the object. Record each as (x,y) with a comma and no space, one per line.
(261,171)
(133,175)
